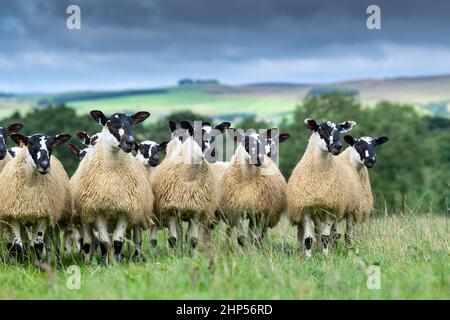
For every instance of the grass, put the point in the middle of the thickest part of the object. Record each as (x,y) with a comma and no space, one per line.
(412,253)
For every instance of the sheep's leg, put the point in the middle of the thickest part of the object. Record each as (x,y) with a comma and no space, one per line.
(87,246)
(318,226)
(118,236)
(307,234)
(137,239)
(240,232)
(68,240)
(172,222)
(77,238)
(336,231)
(193,231)
(349,231)
(38,241)
(56,237)
(205,235)
(153,236)
(103,237)
(300,231)
(16,248)
(326,231)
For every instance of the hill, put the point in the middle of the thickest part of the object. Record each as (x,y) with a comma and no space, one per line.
(270,101)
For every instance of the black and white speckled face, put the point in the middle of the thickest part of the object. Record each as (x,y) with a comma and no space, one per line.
(4,133)
(365,147)
(117,129)
(148,152)
(40,148)
(329,134)
(272,140)
(205,135)
(80,154)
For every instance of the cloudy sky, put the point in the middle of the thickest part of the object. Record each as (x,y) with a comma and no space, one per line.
(151,43)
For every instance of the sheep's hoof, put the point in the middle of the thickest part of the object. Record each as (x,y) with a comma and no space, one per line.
(308,254)
(241,240)
(153,243)
(172,242)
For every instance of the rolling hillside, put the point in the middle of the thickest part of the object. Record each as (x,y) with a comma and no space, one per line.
(269,101)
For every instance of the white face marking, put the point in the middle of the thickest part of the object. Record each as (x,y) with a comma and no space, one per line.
(116,116)
(366,153)
(121,132)
(42,141)
(207,129)
(369,140)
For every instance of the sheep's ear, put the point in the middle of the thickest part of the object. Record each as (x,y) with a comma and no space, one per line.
(187,125)
(163,145)
(223,126)
(84,137)
(140,116)
(172,126)
(283,137)
(60,139)
(99,117)
(349,139)
(234,134)
(379,141)
(74,150)
(14,128)
(346,126)
(311,124)
(206,123)
(19,139)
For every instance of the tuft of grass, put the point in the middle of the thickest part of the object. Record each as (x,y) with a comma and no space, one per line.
(411,251)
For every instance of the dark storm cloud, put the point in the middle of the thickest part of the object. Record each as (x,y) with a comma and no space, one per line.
(188,31)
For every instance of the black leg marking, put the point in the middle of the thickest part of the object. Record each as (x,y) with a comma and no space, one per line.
(118,250)
(153,243)
(308,243)
(172,242)
(38,249)
(104,250)
(194,243)
(86,248)
(325,241)
(241,240)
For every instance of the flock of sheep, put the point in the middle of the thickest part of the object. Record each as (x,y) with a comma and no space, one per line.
(114,196)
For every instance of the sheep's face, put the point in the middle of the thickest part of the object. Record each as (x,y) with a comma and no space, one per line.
(365,148)
(178,136)
(40,148)
(4,133)
(329,134)
(148,152)
(205,136)
(117,129)
(80,154)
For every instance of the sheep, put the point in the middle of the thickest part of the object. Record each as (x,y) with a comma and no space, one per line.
(320,188)
(183,185)
(110,186)
(360,155)
(5,154)
(253,186)
(43,185)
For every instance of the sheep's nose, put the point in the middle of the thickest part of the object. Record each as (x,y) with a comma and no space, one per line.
(336,149)
(369,163)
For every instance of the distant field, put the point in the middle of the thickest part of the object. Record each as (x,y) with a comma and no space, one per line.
(410,251)
(270,101)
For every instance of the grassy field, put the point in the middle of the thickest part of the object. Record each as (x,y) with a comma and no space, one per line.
(411,251)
